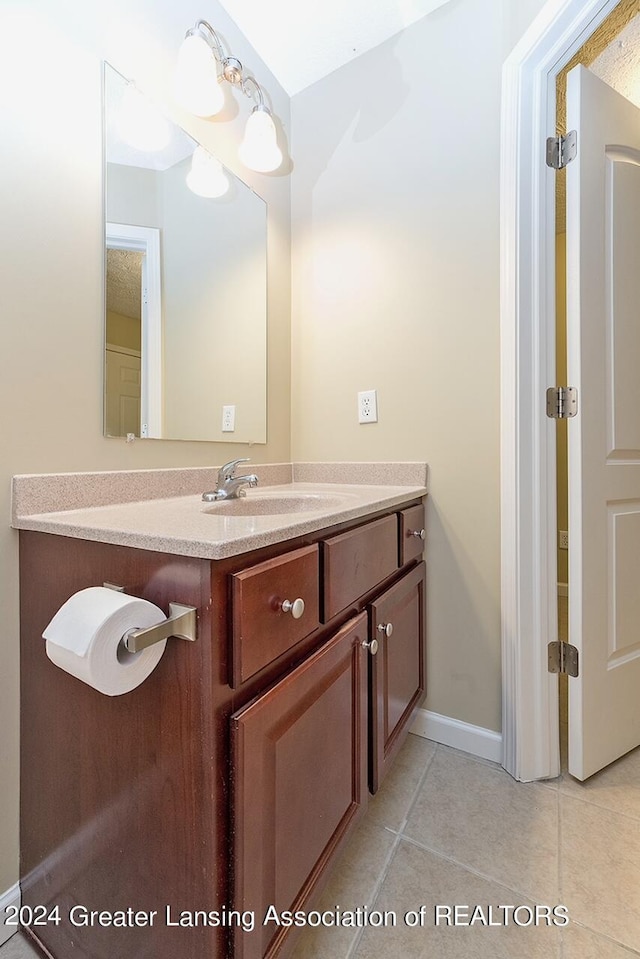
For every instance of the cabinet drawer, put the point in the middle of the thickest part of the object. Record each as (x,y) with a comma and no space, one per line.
(411,533)
(262,629)
(356,561)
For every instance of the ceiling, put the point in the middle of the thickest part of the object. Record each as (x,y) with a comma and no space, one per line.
(301,43)
(619,63)
(124,282)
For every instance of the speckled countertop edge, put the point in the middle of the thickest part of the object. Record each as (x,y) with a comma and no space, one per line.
(182,524)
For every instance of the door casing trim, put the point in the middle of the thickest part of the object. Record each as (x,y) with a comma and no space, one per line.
(530,726)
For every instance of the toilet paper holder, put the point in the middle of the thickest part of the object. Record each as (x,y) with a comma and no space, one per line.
(181,624)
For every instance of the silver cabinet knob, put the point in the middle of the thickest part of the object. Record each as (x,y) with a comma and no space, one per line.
(418,533)
(386,629)
(371,646)
(296,608)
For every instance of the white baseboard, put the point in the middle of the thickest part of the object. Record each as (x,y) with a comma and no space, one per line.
(11,897)
(484,743)
(563,589)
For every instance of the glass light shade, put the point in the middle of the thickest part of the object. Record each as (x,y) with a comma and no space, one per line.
(140,123)
(195,84)
(259,150)
(206,176)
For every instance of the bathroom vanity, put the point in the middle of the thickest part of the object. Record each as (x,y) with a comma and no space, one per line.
(171,820)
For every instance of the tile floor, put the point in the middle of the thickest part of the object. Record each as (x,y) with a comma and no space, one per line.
(449,829)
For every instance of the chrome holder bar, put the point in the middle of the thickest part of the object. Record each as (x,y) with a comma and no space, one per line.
(181,624)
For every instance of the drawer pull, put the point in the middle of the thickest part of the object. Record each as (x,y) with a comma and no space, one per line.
(386,629)
(296,608)
(418,533)
(371,646)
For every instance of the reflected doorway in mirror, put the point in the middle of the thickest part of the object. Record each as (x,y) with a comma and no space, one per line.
(133,291)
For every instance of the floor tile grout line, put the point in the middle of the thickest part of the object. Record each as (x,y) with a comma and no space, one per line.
(600,935)
(550,784)
(355,942)
(474,872)
(497,769)
(491,763)
(589,802)
(387,864)
(417,791)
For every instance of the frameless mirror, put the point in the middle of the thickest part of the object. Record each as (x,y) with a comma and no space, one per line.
(186,276)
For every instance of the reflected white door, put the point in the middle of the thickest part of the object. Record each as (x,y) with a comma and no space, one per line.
(122,392)
(603,318)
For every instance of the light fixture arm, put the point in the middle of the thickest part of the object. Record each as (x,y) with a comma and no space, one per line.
(232,69)
(257,90)
(204,29)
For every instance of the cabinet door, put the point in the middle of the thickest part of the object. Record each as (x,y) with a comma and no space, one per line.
(299,764)
(397,670)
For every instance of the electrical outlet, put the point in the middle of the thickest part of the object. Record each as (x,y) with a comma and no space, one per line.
(228,419)
(563,539)
(367,407)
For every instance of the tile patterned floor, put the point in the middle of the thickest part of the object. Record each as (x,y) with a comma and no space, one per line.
(466,833)
(447,829)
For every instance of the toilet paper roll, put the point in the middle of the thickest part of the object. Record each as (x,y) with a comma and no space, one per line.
(84,638)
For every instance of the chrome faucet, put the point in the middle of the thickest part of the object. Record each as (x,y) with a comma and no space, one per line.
(229,485)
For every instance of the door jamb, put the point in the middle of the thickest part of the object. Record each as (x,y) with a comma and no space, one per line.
(528,457)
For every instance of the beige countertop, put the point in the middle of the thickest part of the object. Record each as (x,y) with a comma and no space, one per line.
(301,498)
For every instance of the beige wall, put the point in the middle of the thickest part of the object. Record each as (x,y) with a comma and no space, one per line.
(395,205)
(214,289)
(51,261)
(123,331)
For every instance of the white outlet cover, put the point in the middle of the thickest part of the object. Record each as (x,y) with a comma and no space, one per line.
(228,419)
(368,406)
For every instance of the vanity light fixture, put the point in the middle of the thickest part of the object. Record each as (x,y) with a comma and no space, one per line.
(140,123)
(197,88)
(206,177)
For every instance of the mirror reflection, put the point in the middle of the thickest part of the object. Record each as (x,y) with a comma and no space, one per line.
(185,283)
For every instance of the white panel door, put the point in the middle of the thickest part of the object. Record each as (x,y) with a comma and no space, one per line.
(603,318)
(122,392)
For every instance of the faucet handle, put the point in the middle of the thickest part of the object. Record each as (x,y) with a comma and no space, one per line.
(227,471)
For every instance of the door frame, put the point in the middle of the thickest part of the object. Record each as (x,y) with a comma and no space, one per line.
(530,725)
(146,240)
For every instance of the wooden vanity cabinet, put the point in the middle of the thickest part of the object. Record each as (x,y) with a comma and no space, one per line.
(233,775)
(304,751)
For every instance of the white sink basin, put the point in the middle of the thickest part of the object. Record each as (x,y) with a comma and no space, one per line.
(276,504)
